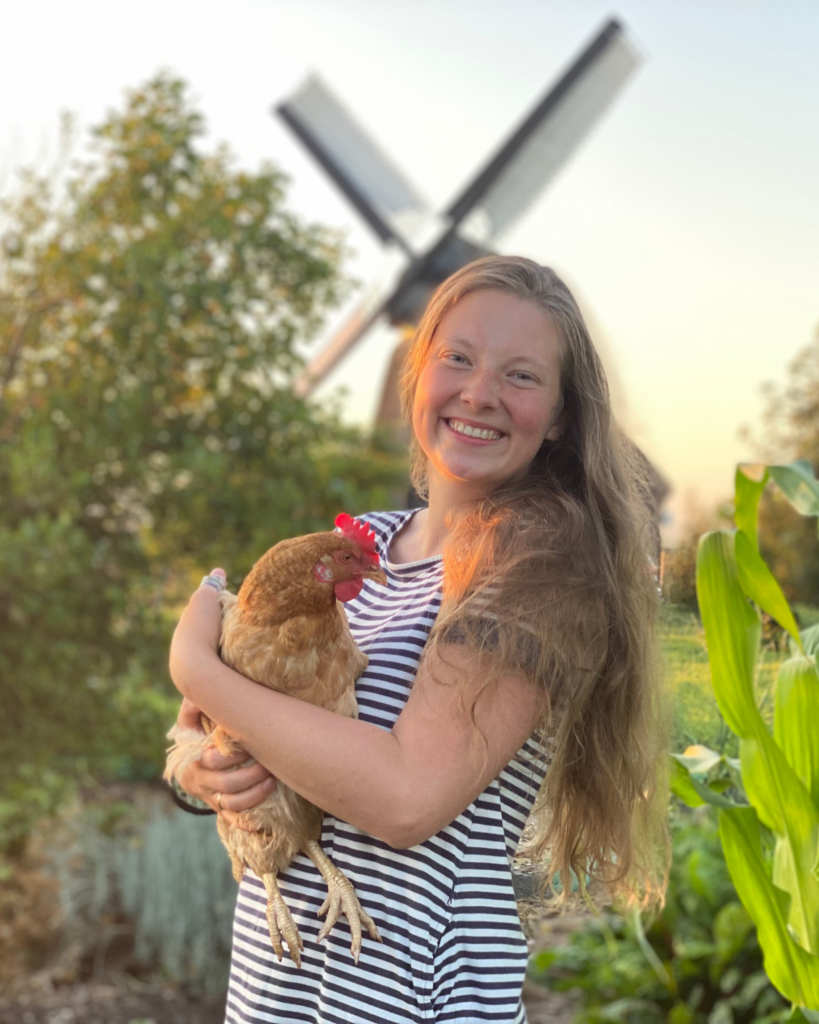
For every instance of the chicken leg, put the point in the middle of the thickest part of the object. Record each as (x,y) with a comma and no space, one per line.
(280,923)
(341,897)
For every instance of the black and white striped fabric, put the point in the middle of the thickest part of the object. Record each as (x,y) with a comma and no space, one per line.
(453,948)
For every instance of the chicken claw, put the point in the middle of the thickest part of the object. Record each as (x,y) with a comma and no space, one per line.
(341,898)
(279,922)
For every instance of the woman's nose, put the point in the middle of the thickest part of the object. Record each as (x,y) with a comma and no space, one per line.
(481,389)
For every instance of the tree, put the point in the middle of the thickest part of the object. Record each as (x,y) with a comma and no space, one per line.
(791,431)
(152,304)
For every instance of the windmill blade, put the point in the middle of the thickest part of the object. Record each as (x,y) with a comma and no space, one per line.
(375,302)
(353,329)
(540,146)
(375,187)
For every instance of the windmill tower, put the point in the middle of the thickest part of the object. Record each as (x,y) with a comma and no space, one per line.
(422,247)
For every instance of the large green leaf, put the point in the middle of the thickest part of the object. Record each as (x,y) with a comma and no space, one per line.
(682,785)
(779,796)
(796,719)
(798,484)
(748,486)
(700,760)
(694,792)
(800,1015)
(759,584)
(793,970)
(810,641)
(732,629)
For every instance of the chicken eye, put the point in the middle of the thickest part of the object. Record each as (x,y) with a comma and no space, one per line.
(346,557)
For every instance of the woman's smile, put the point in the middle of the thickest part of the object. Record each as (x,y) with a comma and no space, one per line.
(472,432)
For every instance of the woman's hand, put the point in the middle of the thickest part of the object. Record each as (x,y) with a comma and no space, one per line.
(218,780)
(196,638)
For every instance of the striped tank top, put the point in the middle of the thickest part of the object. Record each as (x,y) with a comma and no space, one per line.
(453,948)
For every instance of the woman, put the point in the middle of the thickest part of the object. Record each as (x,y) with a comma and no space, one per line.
(541,653)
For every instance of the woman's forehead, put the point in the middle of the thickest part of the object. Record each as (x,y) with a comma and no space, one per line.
(501,322)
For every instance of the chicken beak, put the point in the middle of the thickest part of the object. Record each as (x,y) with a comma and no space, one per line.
(376,574)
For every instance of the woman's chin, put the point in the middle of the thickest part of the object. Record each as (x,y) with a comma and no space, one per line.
(470,475)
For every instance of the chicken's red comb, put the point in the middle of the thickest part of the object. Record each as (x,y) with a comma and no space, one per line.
(358,532)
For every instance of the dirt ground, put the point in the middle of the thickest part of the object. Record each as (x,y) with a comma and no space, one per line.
(128,1003)
(103,1004)
(44,980)
(106,1004)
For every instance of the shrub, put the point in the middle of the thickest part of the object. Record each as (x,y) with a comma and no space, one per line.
(698,962)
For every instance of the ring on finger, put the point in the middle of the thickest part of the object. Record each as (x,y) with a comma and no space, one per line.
(216,582)
(219,801)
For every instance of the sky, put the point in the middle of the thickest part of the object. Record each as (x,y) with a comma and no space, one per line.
(687,223)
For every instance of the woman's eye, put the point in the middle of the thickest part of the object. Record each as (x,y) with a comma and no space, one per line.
(456,357)
(522,375)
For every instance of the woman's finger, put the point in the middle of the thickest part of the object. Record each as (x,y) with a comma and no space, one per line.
(189,716)
(235,803)
(214,761)
(228,783)
(242,778)
(216,578)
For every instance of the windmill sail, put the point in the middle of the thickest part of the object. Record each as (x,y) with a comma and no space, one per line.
(357,324)
(371,306)
(424,248)
(381,194)
(524,164)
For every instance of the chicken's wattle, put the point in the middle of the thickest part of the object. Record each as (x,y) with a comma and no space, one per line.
(346,590)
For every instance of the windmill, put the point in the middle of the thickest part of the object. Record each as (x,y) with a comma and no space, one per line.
(422,248)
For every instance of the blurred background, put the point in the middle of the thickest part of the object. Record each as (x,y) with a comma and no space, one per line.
(171,254)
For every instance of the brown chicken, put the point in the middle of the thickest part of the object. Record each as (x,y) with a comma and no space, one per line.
(286,630)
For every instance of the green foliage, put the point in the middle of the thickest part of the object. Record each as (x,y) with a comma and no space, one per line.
(701,775)
(780,771)
(787,543)
(791,425)
(687,678)
(28,796)
(698,962)
(153,304)
(679,575)
(156,874)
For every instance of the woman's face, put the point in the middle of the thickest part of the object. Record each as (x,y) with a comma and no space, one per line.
(489,393)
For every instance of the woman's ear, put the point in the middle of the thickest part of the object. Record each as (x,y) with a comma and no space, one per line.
(555,432)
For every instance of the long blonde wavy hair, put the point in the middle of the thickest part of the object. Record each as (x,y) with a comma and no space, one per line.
(562,558)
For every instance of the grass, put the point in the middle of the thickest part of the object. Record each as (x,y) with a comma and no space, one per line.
(695,717)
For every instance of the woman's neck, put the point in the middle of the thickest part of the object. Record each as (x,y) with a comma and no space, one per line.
(425,534)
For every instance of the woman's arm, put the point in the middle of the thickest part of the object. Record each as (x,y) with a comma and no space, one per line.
(401,786)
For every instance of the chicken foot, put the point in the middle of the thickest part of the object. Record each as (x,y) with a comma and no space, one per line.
(341,898)
(280,923)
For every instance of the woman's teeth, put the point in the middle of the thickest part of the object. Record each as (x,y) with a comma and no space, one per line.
(463,428)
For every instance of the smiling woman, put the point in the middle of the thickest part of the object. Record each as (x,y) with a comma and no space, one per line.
(545,521)
(514,636)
